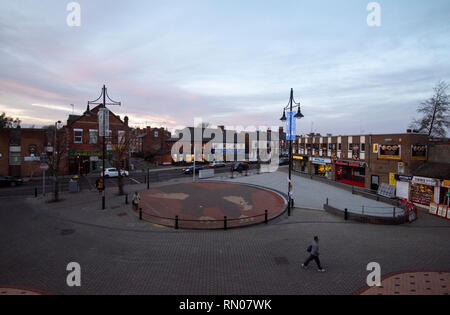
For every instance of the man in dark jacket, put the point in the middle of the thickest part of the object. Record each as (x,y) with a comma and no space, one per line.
(314,255)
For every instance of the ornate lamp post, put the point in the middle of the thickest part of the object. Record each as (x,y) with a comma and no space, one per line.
(291,136)
(103,104)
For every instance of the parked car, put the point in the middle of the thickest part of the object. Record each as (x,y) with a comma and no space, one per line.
(215,164)
(113,172)
(10,181)
(239,167)
(284,161)
(190,170)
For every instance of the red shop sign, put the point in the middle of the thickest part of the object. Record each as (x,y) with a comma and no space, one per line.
(341,163)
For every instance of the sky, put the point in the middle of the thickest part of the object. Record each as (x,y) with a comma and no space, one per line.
(229,62)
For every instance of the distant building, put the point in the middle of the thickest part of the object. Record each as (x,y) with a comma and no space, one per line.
(416,166)
(20,151)
(85,145)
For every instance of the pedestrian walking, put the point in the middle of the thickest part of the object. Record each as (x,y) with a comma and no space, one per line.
(313,249)
(135,201)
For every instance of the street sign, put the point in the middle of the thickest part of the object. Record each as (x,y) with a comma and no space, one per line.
(44,158)
(103,122)
(291,126)
(44,167)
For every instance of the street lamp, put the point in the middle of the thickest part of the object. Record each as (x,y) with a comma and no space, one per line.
(102,100)
(290,106)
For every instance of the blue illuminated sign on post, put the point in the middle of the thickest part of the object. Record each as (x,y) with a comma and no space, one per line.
(291,126)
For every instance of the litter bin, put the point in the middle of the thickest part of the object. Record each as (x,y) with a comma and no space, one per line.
(73,185)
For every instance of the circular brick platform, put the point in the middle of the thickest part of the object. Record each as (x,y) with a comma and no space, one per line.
(411,283)
(204,205)
(12,290)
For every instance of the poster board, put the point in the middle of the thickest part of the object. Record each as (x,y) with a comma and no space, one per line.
(433,208)
(402,190)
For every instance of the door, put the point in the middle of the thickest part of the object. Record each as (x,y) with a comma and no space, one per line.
(374,182)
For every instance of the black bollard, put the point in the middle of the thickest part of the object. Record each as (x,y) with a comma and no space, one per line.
(327,201)
(140,214)
(176,222)
(266,217)
(35,192)
(126,199)
(225,222)
(148,178)
(346,214)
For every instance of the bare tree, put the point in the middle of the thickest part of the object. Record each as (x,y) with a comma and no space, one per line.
(435,111)
(121,151)
(55,160)
(9,122)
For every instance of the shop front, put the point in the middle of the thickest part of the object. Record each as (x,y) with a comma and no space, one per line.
(85,162)
(402,183)
(441,208)
(351,173)
(424,190)
(300,163)
(322,167)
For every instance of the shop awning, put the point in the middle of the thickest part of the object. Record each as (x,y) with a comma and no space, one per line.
(433,170)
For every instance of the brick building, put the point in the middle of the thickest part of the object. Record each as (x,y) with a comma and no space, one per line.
(417,167)
(85,146)
(20,151)
(362,160)
(152,142)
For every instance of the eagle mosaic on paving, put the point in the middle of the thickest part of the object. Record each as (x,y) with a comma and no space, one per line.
(206,204)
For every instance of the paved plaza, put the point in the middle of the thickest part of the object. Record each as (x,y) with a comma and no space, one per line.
(313,194)
(119,254)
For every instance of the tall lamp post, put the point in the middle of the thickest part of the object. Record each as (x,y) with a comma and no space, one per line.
(291,136)
(102,101)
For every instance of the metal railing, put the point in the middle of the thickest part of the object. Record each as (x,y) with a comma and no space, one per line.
(225,223)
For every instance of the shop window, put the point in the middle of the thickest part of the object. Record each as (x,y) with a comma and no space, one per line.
(32,149)
(78,135)
(121,137)
(14,158)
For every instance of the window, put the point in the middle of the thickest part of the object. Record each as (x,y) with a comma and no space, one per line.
(350,146)
(363,147)
(121,137)
(156,134)
(340,146)
(93,136)
(78,135)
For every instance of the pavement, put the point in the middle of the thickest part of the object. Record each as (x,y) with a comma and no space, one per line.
(313,194)
(119,254)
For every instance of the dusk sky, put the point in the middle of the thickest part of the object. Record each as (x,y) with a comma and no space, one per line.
(228,62)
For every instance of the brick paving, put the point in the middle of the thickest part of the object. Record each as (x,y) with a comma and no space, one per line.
(119,254)
(411,283)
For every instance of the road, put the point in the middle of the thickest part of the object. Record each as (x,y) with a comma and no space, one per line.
(88,182)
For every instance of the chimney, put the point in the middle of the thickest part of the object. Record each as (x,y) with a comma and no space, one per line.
(221,127)
(126,120)
(148,130)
